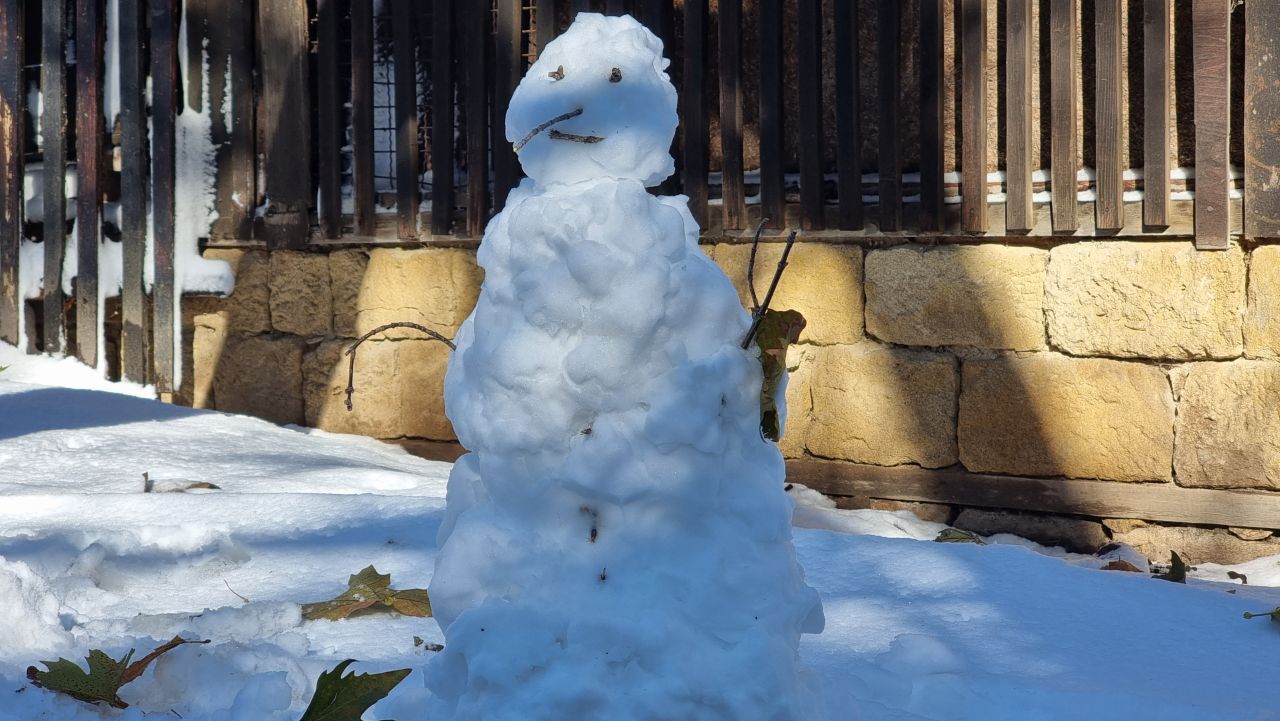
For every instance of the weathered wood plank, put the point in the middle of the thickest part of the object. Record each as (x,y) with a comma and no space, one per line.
(973,150)
(475,37)
(231,84)
(362,193)
(733,205)
(615,7)
(1262,119)
(442,108)
(1156,61)
(285,113)
(507,71)
(197,19)
(888,94)
(809,20)
(693,114)
(581,6)
(89,146)
(1018,118)
(12,115)
(408,154)
(1109,122)
(931,119)
(772,199)
(53,129)
(133,191)
(1064,93)
(544,20)
(330,121)
(1211,28)
(1099,499)
(164,109)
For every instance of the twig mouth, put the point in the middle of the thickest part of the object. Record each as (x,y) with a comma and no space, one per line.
(557,134)
(588,139)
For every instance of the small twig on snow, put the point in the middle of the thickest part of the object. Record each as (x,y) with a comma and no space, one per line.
(751,268)
(544,126)
(588,139)
(229,588)
(768,296)
(351,367)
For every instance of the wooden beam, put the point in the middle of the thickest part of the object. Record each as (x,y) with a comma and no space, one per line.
(89,147)
(406,114)
(285,114)
(1211,28)
(772,198)
(1261,120)
(362,192)
(1018,119)
(973,150)
(133,190)
(1109,123)
(1100,499)
(53,135)
(693,114)
(733,203)
(475,40)
(544,20)
(507,71)
(330,121)
(164,148)
(196,14)
(12,119)
(931,119)
(231,83)
(1064,94)
(442,108)
(1156,62)
(889,92)
(809,20)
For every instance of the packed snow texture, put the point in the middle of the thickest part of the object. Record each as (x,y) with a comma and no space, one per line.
(618,542)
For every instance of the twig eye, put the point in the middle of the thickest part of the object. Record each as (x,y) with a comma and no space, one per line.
(615,75)
(557,74)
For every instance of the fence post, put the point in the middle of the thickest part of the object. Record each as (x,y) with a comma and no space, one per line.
(442,109)
(1156,21)
(12,117)
(733,200)
(408,156)
(1017,209)
(285,131)
(1261,120)
(329,125)
(1109,110)
(848,132)
(1064,87)
(475,36)
(772,198)
(890,91)
(1211,54)
(811,140)
(133,189)
(230,50)
(164,100)
(89,144)
(53,127)
(692,105)
(973,151)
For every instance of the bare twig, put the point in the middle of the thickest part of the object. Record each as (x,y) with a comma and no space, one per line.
(544,126)
(351,367)
(751,268)
(588,139)
(768,296)
(229,588)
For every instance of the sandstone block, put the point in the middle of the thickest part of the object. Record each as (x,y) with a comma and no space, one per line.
(347,269)
(261,376)
(376,402)
(931,512)
(248,307)
(1146,300)
(884,406)
(1262,322)
(822,281)
(800,364)
(1195,544)
(208,340)
(987,296)
(421,366)
(1228,433)
(1074,534)
(301,302)
(1045,414)
(436,287)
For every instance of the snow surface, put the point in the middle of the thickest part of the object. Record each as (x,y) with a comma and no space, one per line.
(915,630)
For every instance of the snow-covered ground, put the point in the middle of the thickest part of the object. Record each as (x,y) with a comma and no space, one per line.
(915,629)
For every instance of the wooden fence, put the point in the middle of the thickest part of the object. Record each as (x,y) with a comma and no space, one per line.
(332,122)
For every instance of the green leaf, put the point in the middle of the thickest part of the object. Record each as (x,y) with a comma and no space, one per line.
(369,590)
(346,698)
(105,677)
(1177,570)
(955,535)
(778,330)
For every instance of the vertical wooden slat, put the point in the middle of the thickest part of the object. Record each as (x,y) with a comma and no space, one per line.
(811,142)
(545,21)
(285,113)
(733,199)
(1018,212)
(442,107)
(1109,125)
(1211,27)
(196,12)
(772,199)
(1064,91)
(12,116)
(475,21)
(693,117)
(889,54)
(580,6)
(1261,121)
(931,122)
(406,114)
(133,189)
(231,87)
(362,193)
(330,121)
(53,126)
(1156,20)
(164,100)
(615,7)
(508,68)
(848,135)
(89,45)
(973,152)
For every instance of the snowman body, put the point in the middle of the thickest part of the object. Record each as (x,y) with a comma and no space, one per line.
(617,543)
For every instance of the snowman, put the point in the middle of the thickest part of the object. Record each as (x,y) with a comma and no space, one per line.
(617,542)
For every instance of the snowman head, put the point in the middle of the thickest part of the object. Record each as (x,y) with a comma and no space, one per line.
(597,104)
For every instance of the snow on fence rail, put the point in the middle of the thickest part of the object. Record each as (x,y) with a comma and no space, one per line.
(370,120)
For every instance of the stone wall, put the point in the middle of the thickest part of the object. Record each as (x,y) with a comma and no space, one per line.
(1132,362)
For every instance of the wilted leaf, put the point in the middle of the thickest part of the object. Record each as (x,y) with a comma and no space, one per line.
(1121,565)
(1177,570)
(1243,579)
(1275,615)
(370,590)
(105,677)
(778,330)
(955,535)
(346,698)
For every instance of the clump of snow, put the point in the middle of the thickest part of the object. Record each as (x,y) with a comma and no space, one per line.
(28,612)
(617,543)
